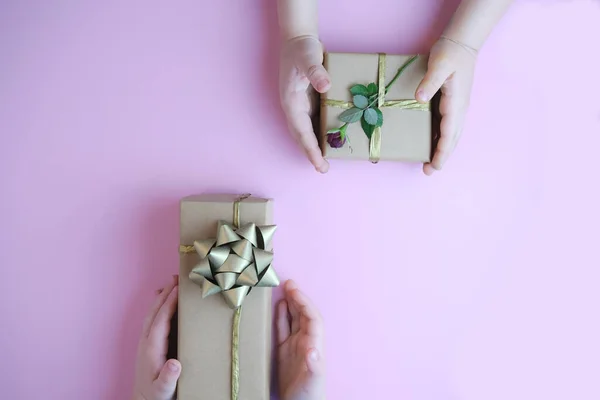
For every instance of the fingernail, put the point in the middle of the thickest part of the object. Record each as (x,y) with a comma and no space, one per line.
(322,84)
(290,285)
(323,168)
(173,367)
(422,96)
(314,355)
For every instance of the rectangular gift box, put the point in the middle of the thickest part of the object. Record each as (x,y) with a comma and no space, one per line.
(406,134)
(205,325)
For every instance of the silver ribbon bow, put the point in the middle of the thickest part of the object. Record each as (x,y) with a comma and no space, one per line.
(235,262)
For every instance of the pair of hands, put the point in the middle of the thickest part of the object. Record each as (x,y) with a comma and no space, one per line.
(450,69)
(300,351)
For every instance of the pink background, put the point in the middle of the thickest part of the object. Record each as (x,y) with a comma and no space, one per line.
(478,283)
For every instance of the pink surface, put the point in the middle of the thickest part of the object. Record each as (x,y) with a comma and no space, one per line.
(478,283)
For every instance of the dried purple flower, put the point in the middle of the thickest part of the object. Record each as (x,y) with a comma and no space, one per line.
(336,138)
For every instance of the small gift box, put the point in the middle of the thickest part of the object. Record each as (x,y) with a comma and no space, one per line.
(370,112)
(224,312)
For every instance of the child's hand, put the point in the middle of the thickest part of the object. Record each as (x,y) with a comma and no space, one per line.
(301,66)
(301,347)
(451,68)
(156,379)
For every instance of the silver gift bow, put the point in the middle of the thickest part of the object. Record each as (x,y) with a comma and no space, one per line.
(235,262)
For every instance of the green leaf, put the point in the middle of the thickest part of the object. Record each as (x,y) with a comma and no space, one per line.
(379,117)
(360,101)
(336,130)
(359,89)
(368,129)
(371,116)
(372,89)
(351,115)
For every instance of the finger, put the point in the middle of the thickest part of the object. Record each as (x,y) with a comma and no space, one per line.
(442,152)
(311,327)
(156,306)
(295,317)
(452,110)
(309,143)
(456,139)
(453,145)
(305,304)
(166,383)
(301,126)
(290,285)
(283,322)
(294,311)
(438,71)
(309,60)
(315,362)
(175,280)
(317,75)
(310,320)
(428,169)
(444,146)
(159,331)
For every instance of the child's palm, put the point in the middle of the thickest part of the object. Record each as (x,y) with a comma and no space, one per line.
(300,353)
(301,68)
(451,69)
(156,378)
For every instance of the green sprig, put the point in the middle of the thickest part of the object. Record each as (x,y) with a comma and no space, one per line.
(364,99)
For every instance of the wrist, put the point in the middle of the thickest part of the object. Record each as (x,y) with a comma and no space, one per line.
(303,37)
(288,36)
(469,49)
(474,20)
(298,18)
(462,37)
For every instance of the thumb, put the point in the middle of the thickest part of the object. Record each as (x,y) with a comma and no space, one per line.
(309,61)
(315,362)
(166,383)
(437,73)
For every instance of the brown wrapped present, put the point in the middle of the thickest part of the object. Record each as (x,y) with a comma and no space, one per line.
(370,112)
(226,276)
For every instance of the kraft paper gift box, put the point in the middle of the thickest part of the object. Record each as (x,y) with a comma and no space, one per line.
(401,129)
(222,256)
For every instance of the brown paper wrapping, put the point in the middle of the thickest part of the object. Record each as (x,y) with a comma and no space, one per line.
(406,135)
(204,342)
